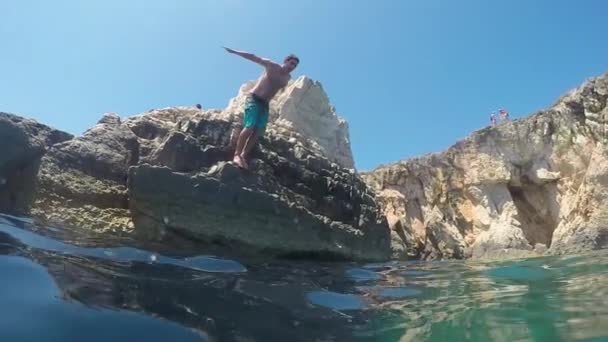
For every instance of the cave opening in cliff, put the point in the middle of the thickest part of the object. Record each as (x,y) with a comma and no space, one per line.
(537,211)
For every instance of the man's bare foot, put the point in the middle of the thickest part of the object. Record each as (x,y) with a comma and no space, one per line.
(244,161)
(238,161)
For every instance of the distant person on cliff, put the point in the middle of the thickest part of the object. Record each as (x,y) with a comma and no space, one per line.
(255,118)
(493,119)
(504,116)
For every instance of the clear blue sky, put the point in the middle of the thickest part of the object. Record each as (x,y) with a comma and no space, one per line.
(411,77)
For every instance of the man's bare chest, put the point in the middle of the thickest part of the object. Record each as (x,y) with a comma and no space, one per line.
(277,79)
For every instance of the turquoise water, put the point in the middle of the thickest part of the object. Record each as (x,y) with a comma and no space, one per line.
(60,285)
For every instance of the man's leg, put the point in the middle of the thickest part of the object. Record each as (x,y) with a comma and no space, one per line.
(253,138)
(260,128)
(244,137)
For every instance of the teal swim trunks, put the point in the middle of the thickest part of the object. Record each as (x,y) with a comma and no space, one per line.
(256,113)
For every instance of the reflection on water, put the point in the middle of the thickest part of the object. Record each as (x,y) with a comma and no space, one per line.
(59,285)
(202,263)
(33,311)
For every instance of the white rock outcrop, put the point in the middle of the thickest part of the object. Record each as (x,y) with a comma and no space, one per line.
(302,110)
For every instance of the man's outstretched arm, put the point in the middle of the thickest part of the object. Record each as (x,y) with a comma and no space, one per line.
(261,61)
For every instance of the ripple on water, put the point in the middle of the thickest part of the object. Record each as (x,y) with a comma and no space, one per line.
(379,267)
(414,273)
(336,301)
(213,264)
(390,292)
(520,273)
(360,274)
(398,292)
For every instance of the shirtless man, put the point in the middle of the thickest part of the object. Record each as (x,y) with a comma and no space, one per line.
(274,77)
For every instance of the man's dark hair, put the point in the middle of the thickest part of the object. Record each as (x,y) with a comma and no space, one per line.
(292,56)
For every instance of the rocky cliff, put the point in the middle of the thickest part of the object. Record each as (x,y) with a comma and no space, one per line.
(163,174)
(526,187)
(518,189)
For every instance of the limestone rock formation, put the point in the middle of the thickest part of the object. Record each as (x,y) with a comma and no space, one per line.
(512,190)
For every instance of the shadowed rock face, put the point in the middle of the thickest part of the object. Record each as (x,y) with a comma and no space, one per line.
(24,142)
(292,202)
(517,189)
(164,174)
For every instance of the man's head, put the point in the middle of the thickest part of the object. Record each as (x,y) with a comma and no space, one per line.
(290,63)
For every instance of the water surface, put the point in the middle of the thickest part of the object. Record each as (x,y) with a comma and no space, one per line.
(61,285)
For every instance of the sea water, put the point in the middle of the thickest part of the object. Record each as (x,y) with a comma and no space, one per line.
(64,285)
